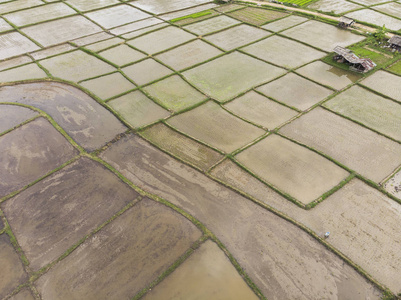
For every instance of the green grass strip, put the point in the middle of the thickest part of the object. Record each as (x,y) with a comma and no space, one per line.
(192,16)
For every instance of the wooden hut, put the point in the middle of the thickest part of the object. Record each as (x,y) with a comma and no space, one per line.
(395,42)
(355,63)
(345,22)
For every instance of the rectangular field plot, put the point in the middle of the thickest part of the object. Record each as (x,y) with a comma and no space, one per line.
(86,5)
(283,52)
(386,83)
(328,75)
(321,35)
(13,44)
(108,86)
(62,30)
(76,66)
(236,36)
(256,16)
(358,148)
(370,109)
(364,225)
(166,38)
(293,169)
(260,110)
(122,55)
(179,145)
(146,71)
(40,14)
(393,9)
(284,23)
(116,15)
(188,55)
(336,6)
(376,18)
(295,91)
(218,128)
(369,2)
(174,93)
(212,25)
(137,109)
(160,6)
(229,75)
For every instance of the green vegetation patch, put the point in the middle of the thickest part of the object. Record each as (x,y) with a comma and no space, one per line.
(256,16)
(299,2)
(366,49)
(396,67)
(193,16)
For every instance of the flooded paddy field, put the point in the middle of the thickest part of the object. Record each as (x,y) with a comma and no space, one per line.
(192,150)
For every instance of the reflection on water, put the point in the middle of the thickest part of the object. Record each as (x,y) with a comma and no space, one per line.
(341,73)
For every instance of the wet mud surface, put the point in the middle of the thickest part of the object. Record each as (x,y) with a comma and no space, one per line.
(86,121)
(255,235)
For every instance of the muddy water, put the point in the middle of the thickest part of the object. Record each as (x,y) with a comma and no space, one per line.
(12,115)
(14,43)
(206,274)
(188,55)
(175,93)
(137,109)
(29,152)
(260,110)
(24,294)
(54,214)
(126,255)
(161,6)
(13,273)
(122,55)
(236,36)
(374,17)
(311,33)
(385,83)
(31,71)
(295,91)
(62,30)
(146,71)
(76,66)
(103,88)
(328,75)
(117,15)
(211,25)
(334,5)
(283,261)
(215,126)
(244,73)
(294,169)
(86,121)
(370,109)
(166,38)
(358,148)
(283,52)
(40,14)
(185,148)
(284,23)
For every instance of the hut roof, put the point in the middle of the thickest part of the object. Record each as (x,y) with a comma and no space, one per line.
(347,54)
(346,20)
(351,57)
(395,40)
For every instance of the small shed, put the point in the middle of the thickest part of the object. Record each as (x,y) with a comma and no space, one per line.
(355,63)
(395,42)
(345,22)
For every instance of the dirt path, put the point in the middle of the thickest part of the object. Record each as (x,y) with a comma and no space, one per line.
(359,27)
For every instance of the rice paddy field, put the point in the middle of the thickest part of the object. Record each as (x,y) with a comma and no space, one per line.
(156,149)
